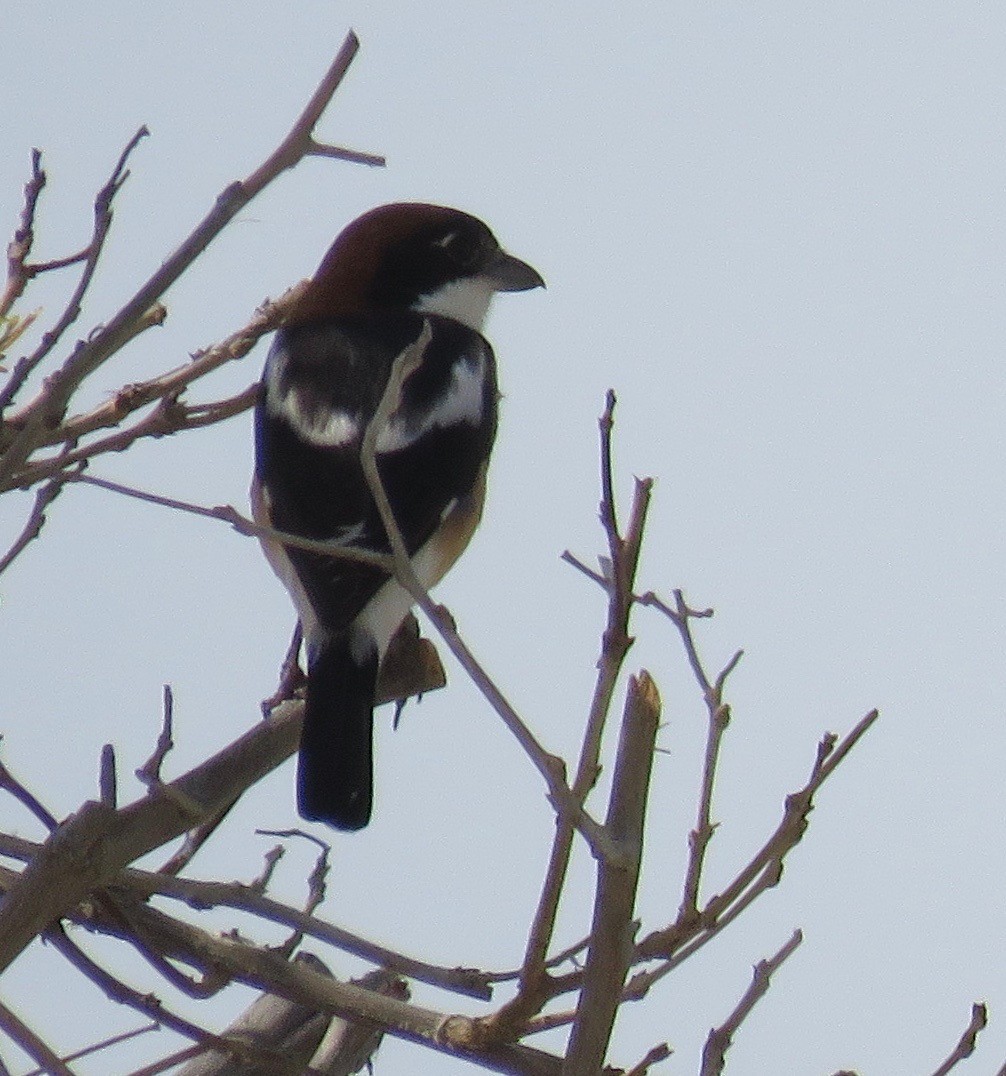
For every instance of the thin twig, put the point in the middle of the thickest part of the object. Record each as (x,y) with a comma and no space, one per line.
(660,1052)
(24,238)
(547,765)
(32,1045)
(765,868)
(105,1044)
(316,884)
(150,772)
(35,521)
(299,142)
(9,783)
(624,557)
(242,524)
(719,719)
(966,1046)
(130,398)
(118,991)
(720,1038)
(49,408)
(23,443)
(195,839)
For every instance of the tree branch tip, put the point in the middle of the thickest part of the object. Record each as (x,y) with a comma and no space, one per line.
(728,669)
(646,690)
(341,153)
(107,777)
(660,1052)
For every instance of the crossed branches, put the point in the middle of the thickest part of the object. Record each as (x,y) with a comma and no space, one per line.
(40,441)
(82,872)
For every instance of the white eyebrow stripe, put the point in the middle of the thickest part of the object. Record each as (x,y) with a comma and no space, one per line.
(463,401)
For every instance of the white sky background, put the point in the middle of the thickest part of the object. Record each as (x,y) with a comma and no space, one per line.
(777,231)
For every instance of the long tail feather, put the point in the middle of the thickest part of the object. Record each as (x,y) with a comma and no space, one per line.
(335,766)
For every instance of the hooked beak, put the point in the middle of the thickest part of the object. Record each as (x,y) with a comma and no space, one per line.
(508,273)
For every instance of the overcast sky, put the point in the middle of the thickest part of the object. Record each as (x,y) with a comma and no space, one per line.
(777,231)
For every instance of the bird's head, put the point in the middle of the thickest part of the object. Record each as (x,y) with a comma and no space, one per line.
(413,256)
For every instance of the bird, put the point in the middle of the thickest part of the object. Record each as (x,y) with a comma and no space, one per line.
(396,276)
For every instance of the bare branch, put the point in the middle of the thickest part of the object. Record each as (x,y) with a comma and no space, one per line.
(228,514)
(150,772)
(765,868)
(49,407)
(24,237)
(719,719)
(130,398)
(9,783)
(966,1047)
(32,1045)
(91,846)
(659,1053)
(118,991)
(266,970)
(90,257)
(35,521)
(209,894)
(613,929)
(614,648)
(547,765)
(105,1044)
(299,142)
(720,1038)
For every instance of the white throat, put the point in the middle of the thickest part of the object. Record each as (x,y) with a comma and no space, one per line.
(464,300)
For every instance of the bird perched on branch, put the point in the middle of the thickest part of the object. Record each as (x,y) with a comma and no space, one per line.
(399,277)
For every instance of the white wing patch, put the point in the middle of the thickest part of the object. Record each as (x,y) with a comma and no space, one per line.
(327,429)
(462,401)
(317,426)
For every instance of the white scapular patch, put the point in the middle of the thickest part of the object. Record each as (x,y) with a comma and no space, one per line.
(327,429)
(318,426)
(462,401)
(466,300)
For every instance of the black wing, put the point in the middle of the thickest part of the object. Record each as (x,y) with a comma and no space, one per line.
(322,385)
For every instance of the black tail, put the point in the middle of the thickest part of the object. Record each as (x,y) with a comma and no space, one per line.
(335,767)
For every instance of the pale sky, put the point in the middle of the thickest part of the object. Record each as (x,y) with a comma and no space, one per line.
(776,230)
